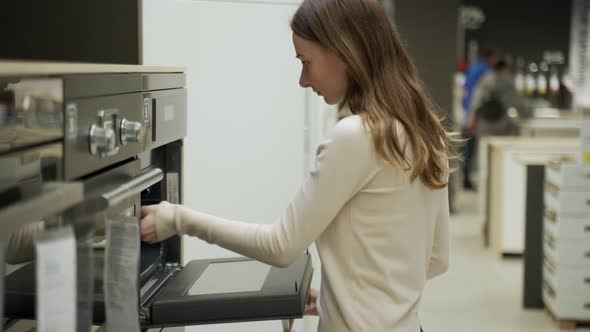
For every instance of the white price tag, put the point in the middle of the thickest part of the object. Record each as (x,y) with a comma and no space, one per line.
(56,280)
(121,273)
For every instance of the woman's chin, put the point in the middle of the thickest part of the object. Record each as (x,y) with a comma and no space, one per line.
(330,101)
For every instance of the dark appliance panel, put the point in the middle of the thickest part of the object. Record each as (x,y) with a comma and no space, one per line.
(167,116)
(101,131)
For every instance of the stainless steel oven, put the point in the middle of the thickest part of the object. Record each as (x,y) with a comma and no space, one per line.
(86,151)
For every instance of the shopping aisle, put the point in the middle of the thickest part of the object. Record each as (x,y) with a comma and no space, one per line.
(479,292)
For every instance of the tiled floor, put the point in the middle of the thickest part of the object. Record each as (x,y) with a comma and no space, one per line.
(480,292)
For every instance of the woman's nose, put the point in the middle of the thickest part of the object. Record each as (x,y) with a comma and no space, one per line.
(304,81)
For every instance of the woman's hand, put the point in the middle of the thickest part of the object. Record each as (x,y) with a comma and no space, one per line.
(158,222)
(311,302)
(148,224)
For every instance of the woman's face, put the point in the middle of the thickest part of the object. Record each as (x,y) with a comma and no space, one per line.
(322,71)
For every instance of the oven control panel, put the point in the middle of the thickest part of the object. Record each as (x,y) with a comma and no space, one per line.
(105,136)
(114,117)
(102,137)
(103,131)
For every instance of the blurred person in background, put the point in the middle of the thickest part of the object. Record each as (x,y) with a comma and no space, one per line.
(493,96)
(486,60)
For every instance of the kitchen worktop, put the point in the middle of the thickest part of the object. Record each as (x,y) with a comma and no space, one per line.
(8,68)
(523,141)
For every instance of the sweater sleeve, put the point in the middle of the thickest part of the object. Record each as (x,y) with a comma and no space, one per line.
(439,259)
(344,165)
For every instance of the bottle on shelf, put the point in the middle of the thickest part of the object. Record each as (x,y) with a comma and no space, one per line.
(519,75)
(554,85)
(542,79)
(530,81)
(566,90)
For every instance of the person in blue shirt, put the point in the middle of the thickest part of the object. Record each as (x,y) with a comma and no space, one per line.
(486,60)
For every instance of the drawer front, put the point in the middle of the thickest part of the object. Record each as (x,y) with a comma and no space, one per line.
(574,203)
(567,252)
(568,203)
(569,177)
(565,307)
(567,227)
(571,281)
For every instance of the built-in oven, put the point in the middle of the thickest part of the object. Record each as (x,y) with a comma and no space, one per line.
(116,145)
(31,158)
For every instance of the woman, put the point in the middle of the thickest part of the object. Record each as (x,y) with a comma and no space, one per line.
(377,202)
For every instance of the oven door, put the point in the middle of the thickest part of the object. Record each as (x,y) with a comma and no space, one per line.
(202,292)
(31,189)
(122,189)
(118,192)
(231,290)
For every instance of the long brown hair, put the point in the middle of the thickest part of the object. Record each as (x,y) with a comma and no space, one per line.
(383,85)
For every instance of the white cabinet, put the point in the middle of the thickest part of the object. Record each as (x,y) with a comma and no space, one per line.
(505,194)
(566,247)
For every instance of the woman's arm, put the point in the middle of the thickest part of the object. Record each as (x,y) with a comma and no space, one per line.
(344,165)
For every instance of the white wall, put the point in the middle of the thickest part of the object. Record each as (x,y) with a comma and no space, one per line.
(250,126)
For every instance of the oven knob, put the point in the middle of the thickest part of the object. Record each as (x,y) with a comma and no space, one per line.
(131,131)
(103,141)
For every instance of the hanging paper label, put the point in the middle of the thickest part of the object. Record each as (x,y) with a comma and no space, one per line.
(56,280)
(121,273)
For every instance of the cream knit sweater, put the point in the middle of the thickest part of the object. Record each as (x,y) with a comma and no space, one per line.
(380,237)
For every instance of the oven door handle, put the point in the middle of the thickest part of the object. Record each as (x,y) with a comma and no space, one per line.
(54,198)
(133,186)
